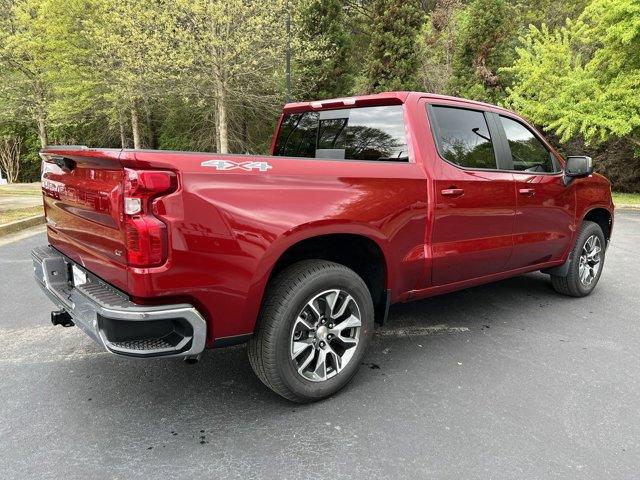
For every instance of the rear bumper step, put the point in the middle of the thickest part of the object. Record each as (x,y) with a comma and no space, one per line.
(112,320)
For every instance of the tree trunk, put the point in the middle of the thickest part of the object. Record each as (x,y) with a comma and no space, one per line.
(245,131)
(134,127)
(42,129)
(222,127)
(150,126)
(123,135)
(221,114)
(216,137)
(41,116)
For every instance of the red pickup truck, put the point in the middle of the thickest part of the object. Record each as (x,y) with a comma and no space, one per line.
(363,202)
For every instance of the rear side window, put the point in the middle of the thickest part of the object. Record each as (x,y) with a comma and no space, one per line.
(463,137)
(528,153)
(367,133)
(297,135)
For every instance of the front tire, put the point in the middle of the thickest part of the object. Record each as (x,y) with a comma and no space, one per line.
(315,326)
(585,264)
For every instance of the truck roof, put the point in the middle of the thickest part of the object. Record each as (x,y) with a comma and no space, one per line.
(385,98)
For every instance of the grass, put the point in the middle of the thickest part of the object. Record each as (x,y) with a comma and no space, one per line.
(626,199)
(7,216)
(21,189)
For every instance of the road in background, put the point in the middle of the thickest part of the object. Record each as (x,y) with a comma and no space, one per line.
(508,380)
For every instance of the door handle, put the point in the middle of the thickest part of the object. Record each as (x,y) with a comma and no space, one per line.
(527,192)
(452,192)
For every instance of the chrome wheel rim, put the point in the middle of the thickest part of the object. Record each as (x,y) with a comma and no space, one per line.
(325,335)
(590,260)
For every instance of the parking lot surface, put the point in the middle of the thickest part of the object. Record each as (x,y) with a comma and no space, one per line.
(508,380)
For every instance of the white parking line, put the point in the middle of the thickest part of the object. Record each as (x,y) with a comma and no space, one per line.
(44,344)
(419,330)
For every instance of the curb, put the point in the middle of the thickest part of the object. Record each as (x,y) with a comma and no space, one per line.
(18,225)
(628,208)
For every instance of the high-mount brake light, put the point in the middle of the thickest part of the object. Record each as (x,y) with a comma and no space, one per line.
(146,235)
(347,102)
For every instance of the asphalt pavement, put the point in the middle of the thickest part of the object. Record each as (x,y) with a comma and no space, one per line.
(508,380)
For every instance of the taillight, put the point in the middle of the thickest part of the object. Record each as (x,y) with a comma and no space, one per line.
(145,235)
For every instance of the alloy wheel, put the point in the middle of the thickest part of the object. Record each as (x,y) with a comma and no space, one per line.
(325,335)
(590,260)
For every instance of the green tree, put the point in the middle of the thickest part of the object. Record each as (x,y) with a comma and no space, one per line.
(582,79)
(35,38)
(437,43)
(133,61)
(323,50)
(484,30)
(553,13)
(392,61)
(231,52)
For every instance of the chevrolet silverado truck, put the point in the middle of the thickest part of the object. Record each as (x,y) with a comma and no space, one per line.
(363,202)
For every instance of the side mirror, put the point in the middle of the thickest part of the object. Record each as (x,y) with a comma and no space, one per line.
(576,167)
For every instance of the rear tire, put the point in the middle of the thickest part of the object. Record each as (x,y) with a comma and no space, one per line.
(294,351)
(586,260)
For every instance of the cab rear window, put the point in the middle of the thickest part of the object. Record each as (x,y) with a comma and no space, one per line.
(366,133)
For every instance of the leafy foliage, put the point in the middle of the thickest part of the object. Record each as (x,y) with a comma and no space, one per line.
(437,46)
(392,60)
(209,74)
(485,27)
(581,79)
(323,50)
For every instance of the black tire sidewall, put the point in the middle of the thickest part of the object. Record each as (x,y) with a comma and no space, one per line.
(330,278)
(590,229)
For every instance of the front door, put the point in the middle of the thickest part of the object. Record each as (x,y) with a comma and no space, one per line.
(474,202)
(545,206)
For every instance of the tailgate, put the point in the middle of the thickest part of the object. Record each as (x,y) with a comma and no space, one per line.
(82,191)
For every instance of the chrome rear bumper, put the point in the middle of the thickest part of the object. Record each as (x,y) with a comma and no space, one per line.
(113,321)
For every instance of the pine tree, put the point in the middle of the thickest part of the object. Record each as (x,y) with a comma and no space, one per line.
(392,62)
(437,43)
(484,31)
(323,50)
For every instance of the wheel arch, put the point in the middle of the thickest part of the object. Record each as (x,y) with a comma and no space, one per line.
(357,252)
(603,217)
(360,248)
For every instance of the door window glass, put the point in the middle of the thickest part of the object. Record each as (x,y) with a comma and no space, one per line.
(528,153)
(463,137)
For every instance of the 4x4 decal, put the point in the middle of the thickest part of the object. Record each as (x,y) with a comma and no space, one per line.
(229,165)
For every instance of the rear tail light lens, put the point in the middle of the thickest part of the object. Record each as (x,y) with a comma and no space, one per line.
(145,235)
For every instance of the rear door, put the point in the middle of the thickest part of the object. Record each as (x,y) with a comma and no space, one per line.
(474,200)
(545,206)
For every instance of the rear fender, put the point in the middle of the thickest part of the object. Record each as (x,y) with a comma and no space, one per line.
(296,235)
